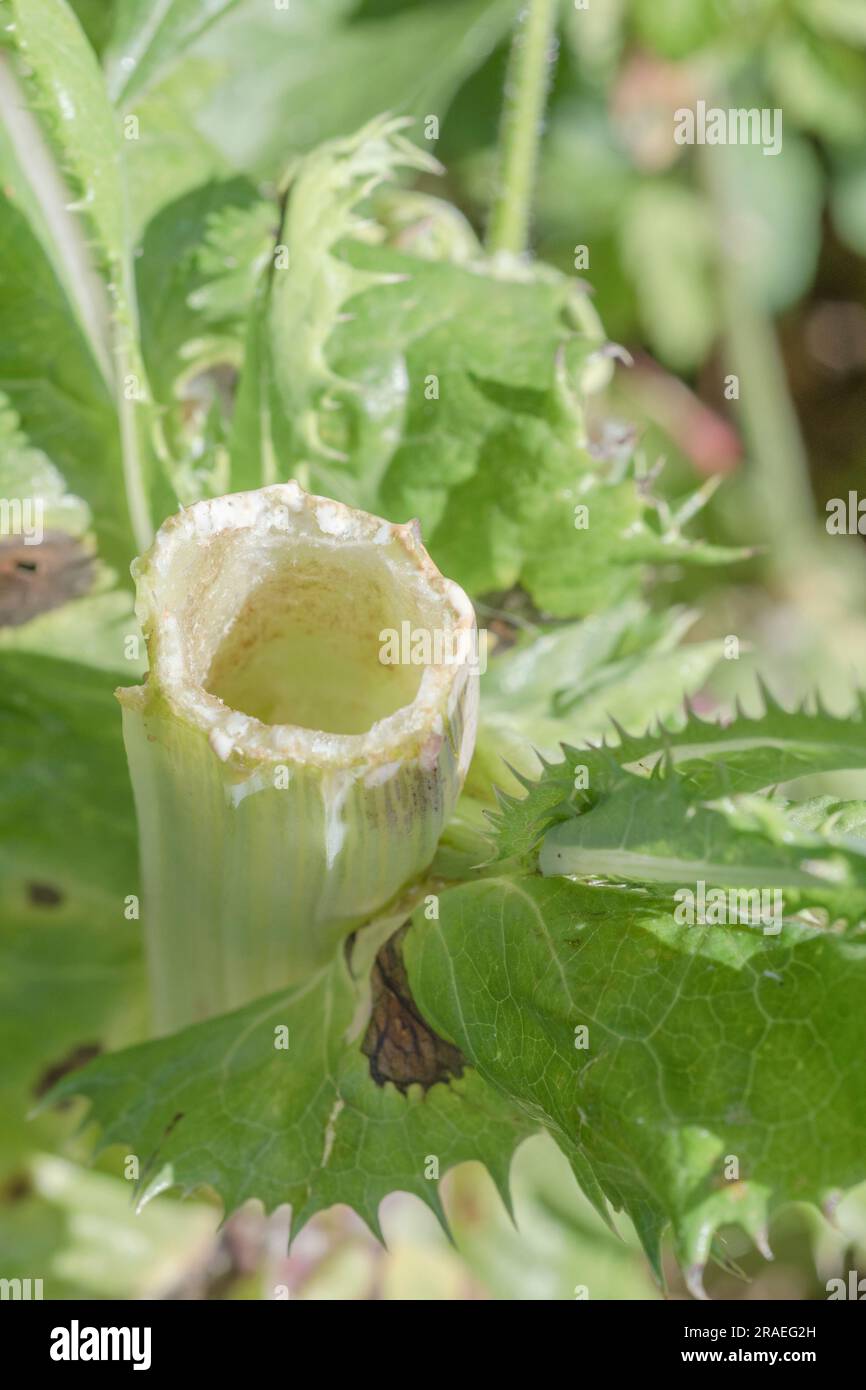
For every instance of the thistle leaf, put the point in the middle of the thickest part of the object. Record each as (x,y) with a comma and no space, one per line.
(277,1101)
(704,1074)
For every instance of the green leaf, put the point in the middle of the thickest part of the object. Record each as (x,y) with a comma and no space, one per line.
(459,408)
(677,28)
(744,754)
(149,38)
(829,816)
(71,983)
(819,84)
(26,472)
(33,185)
(65,806)
(784,197)
(715,759)
(657,831)
(667,241)
(61,397)
(71,978)
(31,1232)
(61,72)
(172,154)
(703,1044)
(236,247)
(182,259)
(96,18)
(626,664)
(223,1104)
(201,258)
(56,597)
(296,77)
(288,382)
(80,1231)
(841,19)
(583,555)
(105,1247)
(444,391)
(262,85)
(65,87)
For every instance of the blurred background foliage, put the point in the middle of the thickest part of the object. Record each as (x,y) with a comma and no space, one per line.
(703,263)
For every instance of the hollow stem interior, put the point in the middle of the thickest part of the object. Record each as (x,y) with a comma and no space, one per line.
(304,648)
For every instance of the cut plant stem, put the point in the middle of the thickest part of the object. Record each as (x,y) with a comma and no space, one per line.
(288,783)
(526,84)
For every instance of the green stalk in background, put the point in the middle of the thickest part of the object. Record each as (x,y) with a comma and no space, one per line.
(287,783)
(779,468)
(819,641)
(526,84)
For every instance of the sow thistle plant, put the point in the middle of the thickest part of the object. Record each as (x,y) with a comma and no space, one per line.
(388,928)
(288,782)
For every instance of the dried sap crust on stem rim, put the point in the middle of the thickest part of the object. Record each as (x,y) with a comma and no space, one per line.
(288,784)
(232,563)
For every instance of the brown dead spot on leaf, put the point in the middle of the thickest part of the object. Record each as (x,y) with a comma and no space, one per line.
(401,1047)
(36,578)
(77,1057)
(16,1188)
(44,895)
(173,1123)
